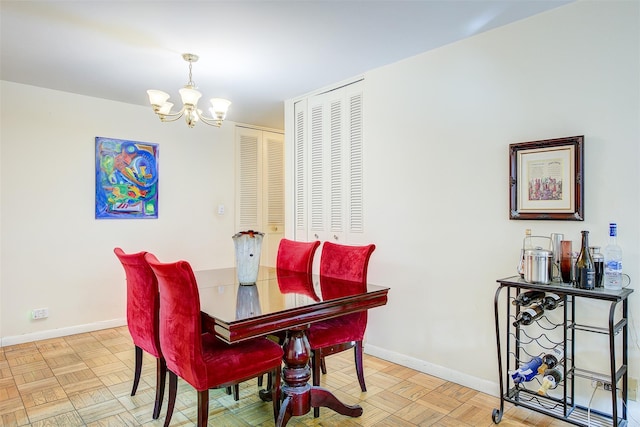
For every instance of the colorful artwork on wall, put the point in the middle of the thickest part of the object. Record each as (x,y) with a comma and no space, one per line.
(126,179)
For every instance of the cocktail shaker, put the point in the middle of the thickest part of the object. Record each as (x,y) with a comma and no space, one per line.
(556,247)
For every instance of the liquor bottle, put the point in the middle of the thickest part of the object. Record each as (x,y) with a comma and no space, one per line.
(550,380)
(525,299)
(585,269)
(613,261)
(598,261)
(551,301)
(529,314)
(527,371)
(526,244)
(550,360)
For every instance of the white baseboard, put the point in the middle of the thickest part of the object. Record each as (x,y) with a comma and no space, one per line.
(61,332)
(490,387)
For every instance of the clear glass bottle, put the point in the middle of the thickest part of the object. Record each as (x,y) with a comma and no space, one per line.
(598,261)
(585,269)
(550,380)
(526,244)
(613,261)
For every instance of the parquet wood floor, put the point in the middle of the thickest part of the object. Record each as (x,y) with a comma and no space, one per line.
(86,379)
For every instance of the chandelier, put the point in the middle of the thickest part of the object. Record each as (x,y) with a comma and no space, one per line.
(162,107)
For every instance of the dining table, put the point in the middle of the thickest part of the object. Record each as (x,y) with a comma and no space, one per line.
(283,303)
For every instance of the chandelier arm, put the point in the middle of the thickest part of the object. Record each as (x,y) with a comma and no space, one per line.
(171,117)
(177,115)
(209,120)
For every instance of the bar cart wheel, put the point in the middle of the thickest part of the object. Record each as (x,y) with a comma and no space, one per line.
(496,416)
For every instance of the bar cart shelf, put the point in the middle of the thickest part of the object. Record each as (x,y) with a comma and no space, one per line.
(556,331)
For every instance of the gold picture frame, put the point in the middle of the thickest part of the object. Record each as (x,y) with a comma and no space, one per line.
(546,179)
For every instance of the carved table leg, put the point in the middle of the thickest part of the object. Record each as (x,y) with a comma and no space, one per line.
(299,395)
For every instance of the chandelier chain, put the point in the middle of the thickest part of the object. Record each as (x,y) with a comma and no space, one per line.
(190,82)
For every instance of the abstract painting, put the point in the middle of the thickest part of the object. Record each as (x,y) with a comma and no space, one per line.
(126,179)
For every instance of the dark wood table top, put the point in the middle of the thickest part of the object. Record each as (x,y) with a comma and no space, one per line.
(279,300)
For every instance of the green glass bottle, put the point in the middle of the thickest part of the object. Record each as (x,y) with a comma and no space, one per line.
(585,267)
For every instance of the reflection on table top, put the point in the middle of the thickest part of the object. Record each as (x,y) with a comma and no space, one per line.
(279,300)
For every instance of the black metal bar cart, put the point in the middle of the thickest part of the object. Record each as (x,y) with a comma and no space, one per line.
(557,331)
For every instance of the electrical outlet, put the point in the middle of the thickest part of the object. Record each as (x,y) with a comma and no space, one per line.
(595,383)
(39,313)
(632,390)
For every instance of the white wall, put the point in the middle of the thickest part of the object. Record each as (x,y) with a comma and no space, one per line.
(54,253)
(437,130)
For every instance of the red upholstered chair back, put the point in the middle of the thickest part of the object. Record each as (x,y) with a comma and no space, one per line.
(345,262)
(343,272)
(143,301)
(296,283)
(180,327)
(296,256)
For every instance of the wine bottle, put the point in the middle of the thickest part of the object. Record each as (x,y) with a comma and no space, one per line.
(525,299)
(550,360)
(586,269)
(550,380)
(527,371)
(529,314)
(551,301)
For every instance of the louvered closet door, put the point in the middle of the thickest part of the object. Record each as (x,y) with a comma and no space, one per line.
(260,187)
(355,158)
(249,175)
(273,195)
(300,171)
(335,164)
(326,166)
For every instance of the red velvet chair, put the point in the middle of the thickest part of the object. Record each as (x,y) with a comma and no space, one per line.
(343,271)
(293,256)
(203,360)
(296,256)
(143,304)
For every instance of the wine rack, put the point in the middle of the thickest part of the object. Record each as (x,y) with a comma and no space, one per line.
(557,330)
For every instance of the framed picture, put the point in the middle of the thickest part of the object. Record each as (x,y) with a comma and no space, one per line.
(126,179)
(546,179)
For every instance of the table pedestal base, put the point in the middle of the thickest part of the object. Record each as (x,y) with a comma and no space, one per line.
(299,396)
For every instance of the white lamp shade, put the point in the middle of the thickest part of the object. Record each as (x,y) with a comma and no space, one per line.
(157,97)
(190,96)
(219,106)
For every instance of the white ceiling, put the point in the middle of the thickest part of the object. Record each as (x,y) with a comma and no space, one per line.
(254,53)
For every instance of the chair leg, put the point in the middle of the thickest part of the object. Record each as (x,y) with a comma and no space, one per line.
(274,378)
(173,388)
(235,391)
(161,375)
(315,375)
(269,381)
(359,366)
(260,380)
(137,370)
(323,366)
(203,408)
